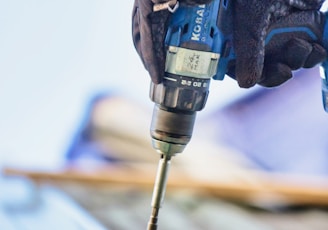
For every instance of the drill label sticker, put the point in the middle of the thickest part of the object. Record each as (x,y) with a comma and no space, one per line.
(193,62)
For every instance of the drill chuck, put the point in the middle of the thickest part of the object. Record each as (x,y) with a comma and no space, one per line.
(176,99)
(171,130)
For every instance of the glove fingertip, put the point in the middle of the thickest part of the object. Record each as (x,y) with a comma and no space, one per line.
(154,74)
(275,75)
(318,55)
(245,81)
(248,72)
(297,50)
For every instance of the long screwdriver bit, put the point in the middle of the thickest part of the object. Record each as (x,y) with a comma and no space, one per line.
(159,189)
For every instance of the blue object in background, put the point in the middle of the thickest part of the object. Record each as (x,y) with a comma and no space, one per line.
(83,143)
(283,129)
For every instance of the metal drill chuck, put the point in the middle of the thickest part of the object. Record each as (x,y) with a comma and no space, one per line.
(188,94)
(171,131)
(177,99)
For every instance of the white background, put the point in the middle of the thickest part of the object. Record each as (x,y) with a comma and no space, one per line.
(54,55)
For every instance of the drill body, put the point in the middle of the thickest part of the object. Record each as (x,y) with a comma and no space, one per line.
(195,43)
(198,44)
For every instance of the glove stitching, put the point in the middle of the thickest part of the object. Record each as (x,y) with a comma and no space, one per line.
(171,5)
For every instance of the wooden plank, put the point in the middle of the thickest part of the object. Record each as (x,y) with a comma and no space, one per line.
(261,189)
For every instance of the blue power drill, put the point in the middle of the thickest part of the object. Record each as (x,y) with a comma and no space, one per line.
(199,48)
(196,41)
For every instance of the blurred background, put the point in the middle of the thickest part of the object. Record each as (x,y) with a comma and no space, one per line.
(57,55)
(75,112)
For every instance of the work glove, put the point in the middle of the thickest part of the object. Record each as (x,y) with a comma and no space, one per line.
(254,65)
(251,20)
(149,26)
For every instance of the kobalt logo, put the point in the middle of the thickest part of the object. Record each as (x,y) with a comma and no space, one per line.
(198,23)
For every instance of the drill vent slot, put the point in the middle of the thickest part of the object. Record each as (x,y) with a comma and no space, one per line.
(212,32)
(185,28)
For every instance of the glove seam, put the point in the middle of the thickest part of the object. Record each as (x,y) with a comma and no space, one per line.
(171,5)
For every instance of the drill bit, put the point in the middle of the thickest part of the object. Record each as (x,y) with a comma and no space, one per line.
(159,189)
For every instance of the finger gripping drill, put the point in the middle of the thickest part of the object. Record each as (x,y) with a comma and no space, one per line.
(196,41)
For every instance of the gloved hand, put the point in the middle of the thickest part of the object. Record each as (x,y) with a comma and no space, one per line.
(149,26)
(252,18)
(254,65)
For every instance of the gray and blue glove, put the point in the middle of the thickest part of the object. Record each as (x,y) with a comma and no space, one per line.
(251,22)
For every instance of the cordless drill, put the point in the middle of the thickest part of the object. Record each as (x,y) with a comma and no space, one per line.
(198,41)
(195,43)
(199,47)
